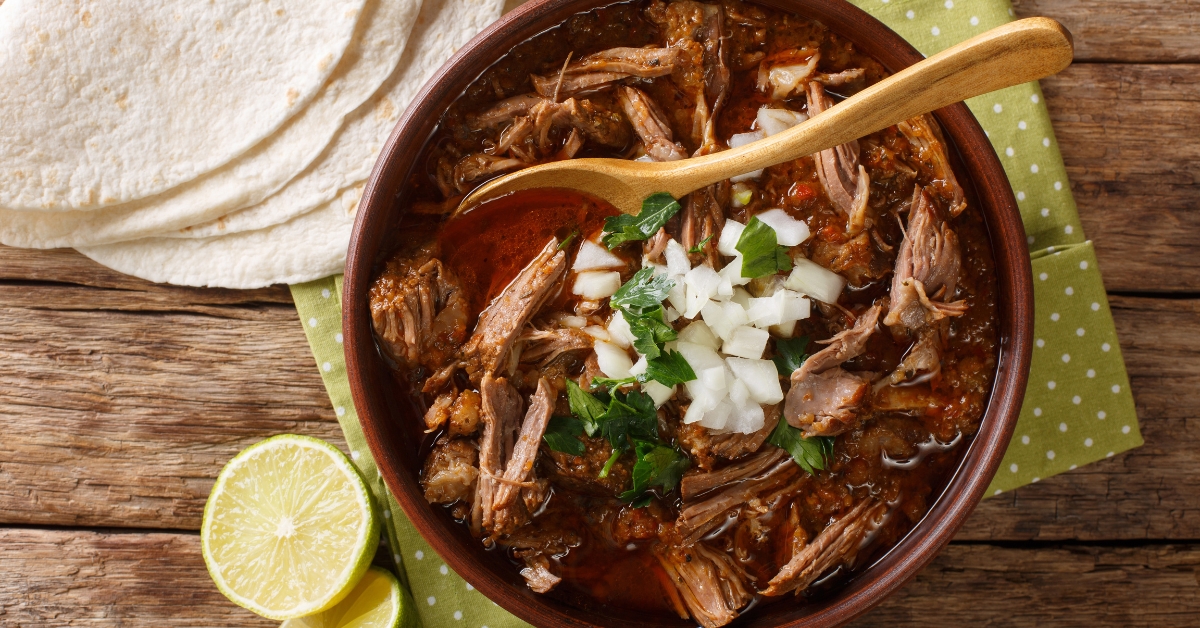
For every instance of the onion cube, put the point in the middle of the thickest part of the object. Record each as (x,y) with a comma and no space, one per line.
(784,330)
(746,342)
(592,256)
(718,417)
(738,393)
(639,367)
(677,259)
(760,378)
(613,361)
(599,333)
(658,392)
(766,311)
(788,230)
(796,306)
(698,333)
(818,282)
(596,284)
(718,322)
(730,234)
(699,357)
(619,332)
(773,121)
(733,272)
(735,313)
(746,418)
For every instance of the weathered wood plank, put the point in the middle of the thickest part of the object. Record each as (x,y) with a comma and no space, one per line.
(1127,31)
(124,419)
(1152,492)
(1127,134)
(76,578)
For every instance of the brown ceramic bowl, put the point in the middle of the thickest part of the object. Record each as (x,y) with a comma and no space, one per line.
(387,420)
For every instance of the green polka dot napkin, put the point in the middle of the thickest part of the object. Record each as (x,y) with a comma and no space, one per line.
(1078,408)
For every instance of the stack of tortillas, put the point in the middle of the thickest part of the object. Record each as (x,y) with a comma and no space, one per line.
(221,143)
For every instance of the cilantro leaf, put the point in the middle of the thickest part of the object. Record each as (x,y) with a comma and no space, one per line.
(761,255)
(608,383)
(810,453)
(629,416)
(657,209)
(657,465)
(643,291)
(669,369)
(699,248)
(567,240)
(562,434)
(790,354)
(586,406)
(649,331)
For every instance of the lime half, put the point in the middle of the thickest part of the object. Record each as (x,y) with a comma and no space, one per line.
(289,527)
(375,603)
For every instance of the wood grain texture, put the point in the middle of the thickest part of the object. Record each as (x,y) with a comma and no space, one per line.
(124,419)
(1128,31)
(1127,136)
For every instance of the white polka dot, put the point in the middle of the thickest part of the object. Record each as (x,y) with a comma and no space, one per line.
(1068,229)
(354,455)
(312,322)
(1021,125)
(1050,454)
(326,367)
(1043,276)
(1105,347)
(396,558)
(935,31)
(1025,440)
(1062,427)
(1040,343)
(1008,151)
(1037,412)
(1079,332)
(1070,291)
(1035,480)
(1013,467)
(1034,98)
(1050,249)
(1110,454)
(998,491)
(469,587)
(1073,467)
(949,4)
(420,555)
(443,570)
(910,15)
(1125,429)
(886,1)
(1033,168)
(1029,239)
(1051,384)
(387,514)
(338,337)
(325,293)
(340,411)
(1046,142)
(1087,442)
(1020,196)
(1091,373)
(458,614)
(1116,388)
(1045,212)
(1066,357)
(997,108)
(1054,317)
(1095,307)
(1101,415)
(974,21)
(1058,185)
(431,600)
(1083,265)
(1076,400)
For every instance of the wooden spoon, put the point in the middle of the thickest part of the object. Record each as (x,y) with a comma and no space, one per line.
(1018,52)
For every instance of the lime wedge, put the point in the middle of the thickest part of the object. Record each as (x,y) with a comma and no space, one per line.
(289,527)
(374,603)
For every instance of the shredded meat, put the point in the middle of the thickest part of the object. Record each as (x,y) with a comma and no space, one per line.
(699,517)
(418,311)
(837,544)
(449,471)
(845,181)
(650,125)
(518,469)
(824,398)
(500,406)
(704,446)
(927,269)
(709,581)
(697,31)
(699,482)
(923,133)
(460,410)
(537,574)
(543,346)
(600,70)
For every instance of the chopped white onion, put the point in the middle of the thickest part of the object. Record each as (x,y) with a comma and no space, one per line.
(596,284)
(746,342)
(739,140)
(732,272)
(699,356)
(573,322)
(671,314)
(702,284)
(816,281)
(640,366)
(760,378)
(677,297)
(730,234)
(784,330)
(738,393)
(766,311)
(599,333)
(714,315)
(718,417)
(677,259)
(619,331)
(746,418)
(796,306)
(698,333)
(788,230)
(735,313)
(592,256)
(741,195)
(741,297)
(773,121)
(658,392)
(613,361)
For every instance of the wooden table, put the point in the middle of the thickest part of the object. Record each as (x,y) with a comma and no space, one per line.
(121,400)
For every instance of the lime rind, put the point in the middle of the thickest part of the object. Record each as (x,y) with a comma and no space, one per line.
(344,559)
(375,602)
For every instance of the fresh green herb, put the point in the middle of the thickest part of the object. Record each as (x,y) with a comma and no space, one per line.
(616,454)
(669,369)
(567,240)
(649,331)
(761,255)
(790,354)
(608,383)
(643,291)
(657,209)
(630,416)
(810,453)
(588,408)
(699,248)
(657,465)
(562,434)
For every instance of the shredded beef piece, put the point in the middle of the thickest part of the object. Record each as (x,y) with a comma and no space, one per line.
(537,574)
(418,311)
(650,125)
(924,134)
(927,270)
(699,517)
(696,483)
(449,472)
(600,70)
(500,408)
(845,181)
(824,399)
(518,470)
(837,544)
(711,584)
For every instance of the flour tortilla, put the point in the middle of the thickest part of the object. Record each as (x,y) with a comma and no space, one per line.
(309,246)
(112,101)
(369,61)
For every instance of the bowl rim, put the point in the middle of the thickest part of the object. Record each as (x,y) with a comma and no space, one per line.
(962,491)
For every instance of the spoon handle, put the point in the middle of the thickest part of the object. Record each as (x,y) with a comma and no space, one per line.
(1018,52)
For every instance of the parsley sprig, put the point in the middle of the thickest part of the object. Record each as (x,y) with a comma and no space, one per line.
(761,253)
(657,209)
(810,453)
(790,354)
